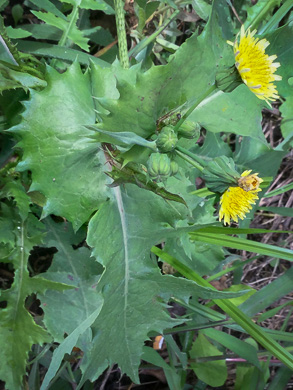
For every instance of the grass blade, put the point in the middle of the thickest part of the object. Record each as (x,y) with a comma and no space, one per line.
(231,310)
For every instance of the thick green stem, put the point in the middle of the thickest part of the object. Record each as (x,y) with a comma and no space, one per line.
(121,33)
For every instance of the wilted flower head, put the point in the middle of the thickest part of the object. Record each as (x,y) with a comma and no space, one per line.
(236,201)
(254,66)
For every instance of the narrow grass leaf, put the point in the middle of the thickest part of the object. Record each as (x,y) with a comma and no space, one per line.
(243,244)
(231,310)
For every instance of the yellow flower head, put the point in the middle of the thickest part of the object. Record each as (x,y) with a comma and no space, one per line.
(236,201)
(255,67)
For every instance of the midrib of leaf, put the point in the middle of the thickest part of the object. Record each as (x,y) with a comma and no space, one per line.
(20,278)
(121,210)
(71,21)
(71,264)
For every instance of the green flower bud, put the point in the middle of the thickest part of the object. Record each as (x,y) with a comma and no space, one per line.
(189,130)
(159,166)
(228,79)
(220,173)
(174,167)
(167,140)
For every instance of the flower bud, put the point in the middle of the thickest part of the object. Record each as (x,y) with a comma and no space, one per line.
(220,173)
(159,166)
(174,167)
(189,130)
(167,140)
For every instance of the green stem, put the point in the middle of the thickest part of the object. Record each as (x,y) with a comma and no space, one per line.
(263,12)
(277,17)
(189,160)
(121,33)
(146,41)
(231,310)
(194,105)
(63,39)
(194,157)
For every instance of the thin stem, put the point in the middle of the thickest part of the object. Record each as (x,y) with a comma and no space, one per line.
(121,33)
(194,105)
(277,17)
(146,41)
(261,15)
(189,160)
(195,157)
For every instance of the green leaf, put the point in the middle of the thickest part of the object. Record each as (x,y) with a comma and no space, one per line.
(56,148)
(47,5)
(121,234)
(243,244)
(76,268)
(281,45)
(202,8)
(285,211)
(138,99)
(66,54)
(16,78)
(99,5)
(68,25)
(67,345)
(229,112)
(18,329)
(16,33)
(234,312)
(214,373)
(287,114)
(241,348)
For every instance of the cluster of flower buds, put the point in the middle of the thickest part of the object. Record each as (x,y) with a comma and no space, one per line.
(161,165)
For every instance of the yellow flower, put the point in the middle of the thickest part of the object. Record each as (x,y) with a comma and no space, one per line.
(254,66)
(236,201)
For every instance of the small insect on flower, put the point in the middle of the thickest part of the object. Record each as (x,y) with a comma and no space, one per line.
(254,66)
(236,202)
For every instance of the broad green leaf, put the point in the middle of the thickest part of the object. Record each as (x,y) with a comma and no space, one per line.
(243,244)
(189,74)
(287,114)
(229,112)
(202,8)
(68,25)
(76,268)
(66,166)
(121,234)
(67,345)
(281,45)
(18,329)
(241,348)
(214,373)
